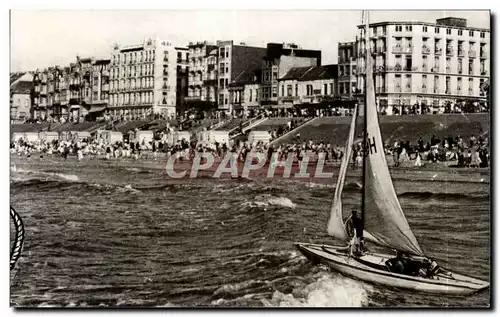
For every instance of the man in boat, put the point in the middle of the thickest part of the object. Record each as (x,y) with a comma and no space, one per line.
(354,226)
(406,264)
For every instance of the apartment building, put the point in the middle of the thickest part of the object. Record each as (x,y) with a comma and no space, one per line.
(244,93)
(143,79)
(73,91)
(234,60)
(427,65)
(314,85)
(279,59)
(202,78)
(347,56)
(182,79)
(20,97)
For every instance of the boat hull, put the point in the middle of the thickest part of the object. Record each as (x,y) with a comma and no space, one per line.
(457,284)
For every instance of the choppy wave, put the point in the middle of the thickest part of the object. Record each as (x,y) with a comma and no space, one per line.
(445,196)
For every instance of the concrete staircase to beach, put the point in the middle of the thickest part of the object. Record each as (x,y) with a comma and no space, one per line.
(247,125)
(295,130)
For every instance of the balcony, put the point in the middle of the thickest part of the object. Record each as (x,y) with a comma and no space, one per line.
(448,69)
(449,52)
(425,68)
(165,74)
(424,89)
(435,69)
(165,87)
(483,55)
(426,50)
(460,71)
(288,99)
(438,51)
(471,91)
(436,90)
(461,53)
(397,89)
(210,82)
(380,90)
(402,49)
(105,87)
(472,54)
(484,73)
(448,91)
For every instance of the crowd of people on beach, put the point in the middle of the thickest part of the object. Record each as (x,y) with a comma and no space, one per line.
(466,152)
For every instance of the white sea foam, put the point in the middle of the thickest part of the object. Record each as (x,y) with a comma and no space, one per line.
(268,200)
(68,177)
(129,189)
(329,290)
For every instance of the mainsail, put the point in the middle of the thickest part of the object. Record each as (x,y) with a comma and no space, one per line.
(383,216)
(336,227)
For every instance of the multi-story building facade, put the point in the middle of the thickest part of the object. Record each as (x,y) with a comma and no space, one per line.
(143,79)
(244,93)
(308,85)
(202,80)
(426,66)
(347,56)
(234,60)
(73,91)
(279,59)
(182,79)
(20,97)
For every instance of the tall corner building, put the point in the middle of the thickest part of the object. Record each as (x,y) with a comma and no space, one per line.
(143,79)
(202,77)
(279,59)
(234,60)
(426,64)
(347,59)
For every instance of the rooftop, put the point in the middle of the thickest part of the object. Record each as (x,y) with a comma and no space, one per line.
(312,73)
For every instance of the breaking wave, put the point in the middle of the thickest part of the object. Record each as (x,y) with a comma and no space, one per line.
(268,200)
(328,290)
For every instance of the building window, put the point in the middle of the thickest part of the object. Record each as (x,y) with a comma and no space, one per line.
(459,84)
(289,90)
(331,88)
(221,83)
(250,96)
(222,52)
(424,29)
(471,33)
(471,66)
(309,90)
(226,83)
(296,90)
(448,31)
(408,28)
(460,32)
(399,28)
(482,35)
(275,75)
(436,30)
(275,91)
(325,88)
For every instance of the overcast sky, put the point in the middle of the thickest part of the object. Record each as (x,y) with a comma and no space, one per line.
(44,38)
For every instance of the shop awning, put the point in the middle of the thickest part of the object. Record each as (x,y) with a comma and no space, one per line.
(75,107)
(97,109)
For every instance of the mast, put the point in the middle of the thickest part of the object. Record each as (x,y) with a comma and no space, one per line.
(365,18)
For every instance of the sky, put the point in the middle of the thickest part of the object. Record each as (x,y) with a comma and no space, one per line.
(42,38)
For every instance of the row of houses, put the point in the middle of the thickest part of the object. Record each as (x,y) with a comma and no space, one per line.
(415,63)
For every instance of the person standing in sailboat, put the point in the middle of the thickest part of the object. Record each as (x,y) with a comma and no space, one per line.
(354,228)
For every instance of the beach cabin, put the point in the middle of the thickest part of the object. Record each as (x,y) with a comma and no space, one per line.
(144,137)
(213,136)
(110,136)
(256,136)
(31,136)
(16,136)
(48,136)
(175,136)
(80,135)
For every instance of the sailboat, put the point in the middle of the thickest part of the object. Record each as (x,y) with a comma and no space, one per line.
(384,222)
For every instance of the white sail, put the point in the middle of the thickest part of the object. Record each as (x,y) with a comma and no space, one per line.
(336,227)
(383,216)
